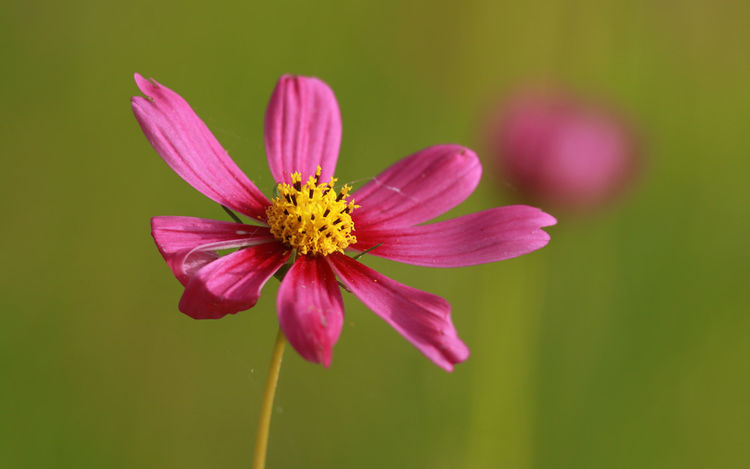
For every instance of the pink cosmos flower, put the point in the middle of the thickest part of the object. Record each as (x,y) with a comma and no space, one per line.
(562,151)
(319,223)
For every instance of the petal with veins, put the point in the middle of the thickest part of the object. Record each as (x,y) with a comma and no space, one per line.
(422,318)
(190,149)
(418,188)
(232,283)
(188,243)
(310,309)
(303,129)
(488,236)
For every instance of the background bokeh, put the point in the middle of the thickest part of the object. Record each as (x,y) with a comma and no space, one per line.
(622,344)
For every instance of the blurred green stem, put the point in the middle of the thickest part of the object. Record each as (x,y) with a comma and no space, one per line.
(264,421)
(501,424)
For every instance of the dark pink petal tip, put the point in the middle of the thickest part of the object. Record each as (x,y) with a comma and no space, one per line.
(302,128)
(488,236)
(181,138)
(418,188)
(422,318)
(310,309)
(231,283)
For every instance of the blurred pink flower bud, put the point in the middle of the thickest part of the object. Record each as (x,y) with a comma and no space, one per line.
(562,152)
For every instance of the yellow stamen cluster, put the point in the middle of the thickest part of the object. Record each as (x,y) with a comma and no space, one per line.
(312,218)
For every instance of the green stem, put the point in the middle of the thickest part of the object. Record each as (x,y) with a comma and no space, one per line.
(366,251)
(266,409)
(231,214)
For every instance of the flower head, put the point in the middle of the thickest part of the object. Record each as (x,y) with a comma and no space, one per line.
(314,219)
(321,223)
(562,151)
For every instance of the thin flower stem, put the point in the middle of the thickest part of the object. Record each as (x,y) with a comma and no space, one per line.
(266,409)
(366,251)
(232,214)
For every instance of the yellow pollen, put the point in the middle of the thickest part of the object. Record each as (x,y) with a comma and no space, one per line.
(313,218)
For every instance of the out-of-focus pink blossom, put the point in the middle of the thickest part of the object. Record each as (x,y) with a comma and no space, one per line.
(561,151)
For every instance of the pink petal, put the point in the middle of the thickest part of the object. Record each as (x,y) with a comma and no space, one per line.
(492,235)
(188,243)
(189,148)
(418,188)
(232,283)
(310,308)
(422,318)
(303,128)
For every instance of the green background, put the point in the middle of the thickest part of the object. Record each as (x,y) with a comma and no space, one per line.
(622,344)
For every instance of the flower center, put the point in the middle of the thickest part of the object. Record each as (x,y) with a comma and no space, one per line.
(312,218)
